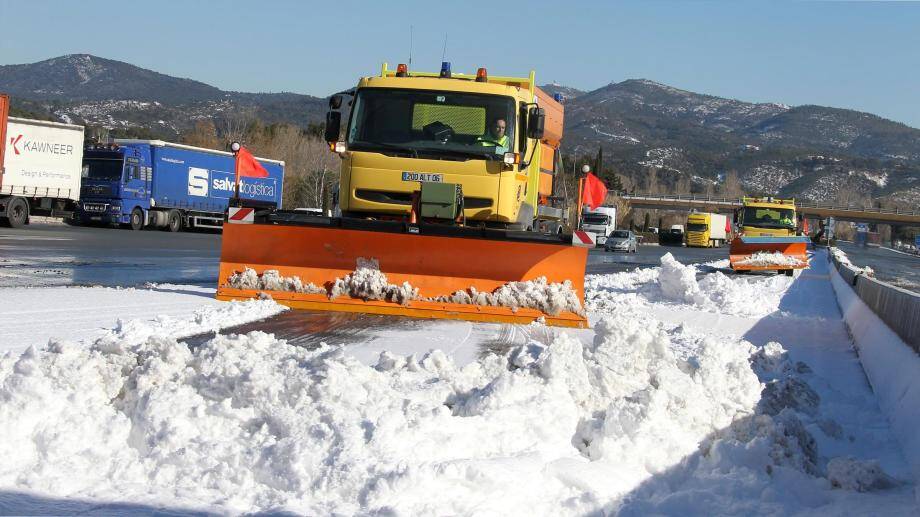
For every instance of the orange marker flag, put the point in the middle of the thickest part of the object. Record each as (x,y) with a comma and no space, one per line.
(595,191)
(248,166)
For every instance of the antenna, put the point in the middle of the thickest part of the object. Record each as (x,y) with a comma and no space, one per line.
(410,47)
(444,53)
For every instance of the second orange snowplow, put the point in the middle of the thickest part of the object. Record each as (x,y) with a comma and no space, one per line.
(768,239)
(447,208)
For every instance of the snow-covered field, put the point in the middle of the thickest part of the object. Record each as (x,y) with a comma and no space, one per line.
(692,395)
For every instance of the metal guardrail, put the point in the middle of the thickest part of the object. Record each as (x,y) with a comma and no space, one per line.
(737,202)
(898,308)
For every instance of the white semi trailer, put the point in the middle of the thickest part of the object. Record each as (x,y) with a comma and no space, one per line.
(600,221)
(40,168)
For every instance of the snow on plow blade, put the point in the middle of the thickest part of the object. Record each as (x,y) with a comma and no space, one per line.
(768,253)
(405,274)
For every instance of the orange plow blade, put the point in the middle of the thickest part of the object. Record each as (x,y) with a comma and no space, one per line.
(436,267)
(768,253)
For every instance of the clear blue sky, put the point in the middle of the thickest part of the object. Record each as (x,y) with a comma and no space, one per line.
(859,55)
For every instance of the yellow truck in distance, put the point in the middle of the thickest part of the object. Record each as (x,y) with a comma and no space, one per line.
(705,230)
(768,238)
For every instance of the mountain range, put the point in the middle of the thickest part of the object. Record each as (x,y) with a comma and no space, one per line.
(811,152)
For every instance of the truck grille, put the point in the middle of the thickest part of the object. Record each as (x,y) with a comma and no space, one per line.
(405,198)
(95,191)
(95,207)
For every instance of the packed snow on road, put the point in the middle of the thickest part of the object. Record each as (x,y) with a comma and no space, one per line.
(692,394)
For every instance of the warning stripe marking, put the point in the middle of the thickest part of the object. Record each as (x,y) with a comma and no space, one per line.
(241,215)
(583,238)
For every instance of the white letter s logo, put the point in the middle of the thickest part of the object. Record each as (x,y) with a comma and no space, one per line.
(197,182)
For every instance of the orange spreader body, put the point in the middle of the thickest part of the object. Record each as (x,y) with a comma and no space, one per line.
(436,265)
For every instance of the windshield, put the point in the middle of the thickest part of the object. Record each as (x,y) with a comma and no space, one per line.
(697,227)
(447,125)
(620,234)
(596,219)
(769,217)
(102,169)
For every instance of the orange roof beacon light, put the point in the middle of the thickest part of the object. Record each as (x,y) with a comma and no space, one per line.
(481,76)
(402,70)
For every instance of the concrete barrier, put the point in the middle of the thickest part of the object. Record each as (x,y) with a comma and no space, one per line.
(898,308)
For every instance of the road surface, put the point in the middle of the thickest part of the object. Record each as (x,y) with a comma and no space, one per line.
(60,255)
(890,266)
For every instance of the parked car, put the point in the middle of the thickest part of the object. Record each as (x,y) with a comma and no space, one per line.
(622,240)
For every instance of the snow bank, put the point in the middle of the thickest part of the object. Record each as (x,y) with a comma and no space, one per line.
(769,463)
(249,423)
(845,260)
(893,368)
(87,313)
(676,282)
(636,418)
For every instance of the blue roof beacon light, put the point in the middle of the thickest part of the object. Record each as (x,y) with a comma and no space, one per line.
(445,69)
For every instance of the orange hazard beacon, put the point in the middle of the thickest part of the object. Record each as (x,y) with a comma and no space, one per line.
(447,207)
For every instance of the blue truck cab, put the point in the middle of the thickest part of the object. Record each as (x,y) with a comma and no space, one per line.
(151,183)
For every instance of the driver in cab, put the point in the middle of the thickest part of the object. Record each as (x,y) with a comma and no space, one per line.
(496,136)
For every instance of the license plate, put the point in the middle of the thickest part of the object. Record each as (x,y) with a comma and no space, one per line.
(423,176)
(96,218)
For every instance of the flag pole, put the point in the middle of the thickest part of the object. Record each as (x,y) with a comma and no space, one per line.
(235,147)
(581,194)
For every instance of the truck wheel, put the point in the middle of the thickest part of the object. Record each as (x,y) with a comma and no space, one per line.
(174,221)
(137,219)
(17,212)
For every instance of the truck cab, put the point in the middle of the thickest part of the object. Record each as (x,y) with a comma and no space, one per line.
(601,221)
(706,230)
(407,129)
(767,217)
(115,181)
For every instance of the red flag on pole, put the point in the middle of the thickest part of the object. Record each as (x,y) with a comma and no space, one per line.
(248,166)
(595,191)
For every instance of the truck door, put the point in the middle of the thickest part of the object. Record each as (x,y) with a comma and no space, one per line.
(134,185)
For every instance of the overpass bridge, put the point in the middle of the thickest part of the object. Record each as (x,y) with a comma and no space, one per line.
(811,210)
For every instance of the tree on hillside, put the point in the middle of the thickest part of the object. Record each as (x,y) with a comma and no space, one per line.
(204,134)
(731,186)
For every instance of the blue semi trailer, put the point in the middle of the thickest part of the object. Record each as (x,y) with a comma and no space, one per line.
(151,183)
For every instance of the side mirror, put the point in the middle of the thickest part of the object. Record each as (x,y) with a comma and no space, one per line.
(536,120)
(335,102)
(333,125)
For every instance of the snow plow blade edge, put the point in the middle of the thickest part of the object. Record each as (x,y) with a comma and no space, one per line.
(437,265)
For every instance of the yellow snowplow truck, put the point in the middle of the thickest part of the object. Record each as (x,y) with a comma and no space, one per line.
(768,238)
(447,208)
